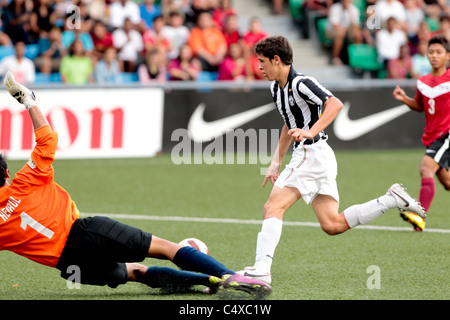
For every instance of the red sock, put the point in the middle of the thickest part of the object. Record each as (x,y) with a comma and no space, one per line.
(427,191)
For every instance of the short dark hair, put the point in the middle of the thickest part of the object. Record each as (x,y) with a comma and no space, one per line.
(439,39)
(275,45)
(3,168)
(157,17)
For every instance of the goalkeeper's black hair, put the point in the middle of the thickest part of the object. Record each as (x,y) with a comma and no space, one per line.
(3,168)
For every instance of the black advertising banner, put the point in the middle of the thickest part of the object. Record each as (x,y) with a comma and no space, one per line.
(371,119)
(208,115)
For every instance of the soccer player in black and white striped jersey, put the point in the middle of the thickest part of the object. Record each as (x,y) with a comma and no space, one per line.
(307,109)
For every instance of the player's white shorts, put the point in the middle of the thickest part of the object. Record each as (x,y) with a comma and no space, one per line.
(312,170)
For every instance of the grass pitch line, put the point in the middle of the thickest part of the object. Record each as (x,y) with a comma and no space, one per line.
(241,221)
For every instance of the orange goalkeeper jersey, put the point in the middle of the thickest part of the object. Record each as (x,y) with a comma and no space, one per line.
(36,214)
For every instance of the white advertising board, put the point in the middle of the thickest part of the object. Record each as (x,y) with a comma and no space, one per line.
(91,123)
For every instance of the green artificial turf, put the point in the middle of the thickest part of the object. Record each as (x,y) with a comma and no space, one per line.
(308,264)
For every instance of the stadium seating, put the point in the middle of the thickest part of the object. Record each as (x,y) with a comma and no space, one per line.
(321,32)
(363,57)
(295,8)
(42,78)
(205,76)
(361,5)
(312,23)
(6,51)
(433,24)
(128,77)
(55,77)
(32,51)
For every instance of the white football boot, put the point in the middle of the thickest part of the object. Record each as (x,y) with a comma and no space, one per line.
(253,272)
(405,202)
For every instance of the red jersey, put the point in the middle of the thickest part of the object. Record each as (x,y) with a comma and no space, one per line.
(36,214)
(433,96)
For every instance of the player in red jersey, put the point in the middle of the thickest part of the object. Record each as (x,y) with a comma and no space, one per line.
(40,221)
(433,98)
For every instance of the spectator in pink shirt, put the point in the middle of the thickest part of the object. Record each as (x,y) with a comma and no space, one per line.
(154,68)
(233,66)
(401,67)
(185,67)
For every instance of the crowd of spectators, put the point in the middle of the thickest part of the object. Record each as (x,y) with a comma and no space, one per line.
(111,41)
(399,29)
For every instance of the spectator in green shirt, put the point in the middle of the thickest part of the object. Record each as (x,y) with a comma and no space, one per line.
(76,68)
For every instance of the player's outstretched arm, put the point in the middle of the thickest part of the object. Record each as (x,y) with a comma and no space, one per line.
(38,118)
(43,153)
(26,97)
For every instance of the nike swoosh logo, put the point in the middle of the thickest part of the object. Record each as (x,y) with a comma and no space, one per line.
(404,200)
(202,131)
(347,129)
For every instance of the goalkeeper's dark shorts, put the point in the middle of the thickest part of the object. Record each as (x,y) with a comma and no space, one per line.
(439,150)
(97,249)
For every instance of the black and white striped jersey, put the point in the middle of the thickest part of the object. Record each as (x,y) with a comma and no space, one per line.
(300,102)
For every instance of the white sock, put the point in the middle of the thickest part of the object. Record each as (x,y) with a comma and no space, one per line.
(369,211)
(266,243)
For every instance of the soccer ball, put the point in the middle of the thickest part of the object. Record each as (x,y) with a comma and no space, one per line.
(196,244)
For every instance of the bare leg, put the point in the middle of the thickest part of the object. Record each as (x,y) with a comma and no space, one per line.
(136,271)
(163,249)
(326,209)
(160,249)
(428,167)
(280,200)
(444,178)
